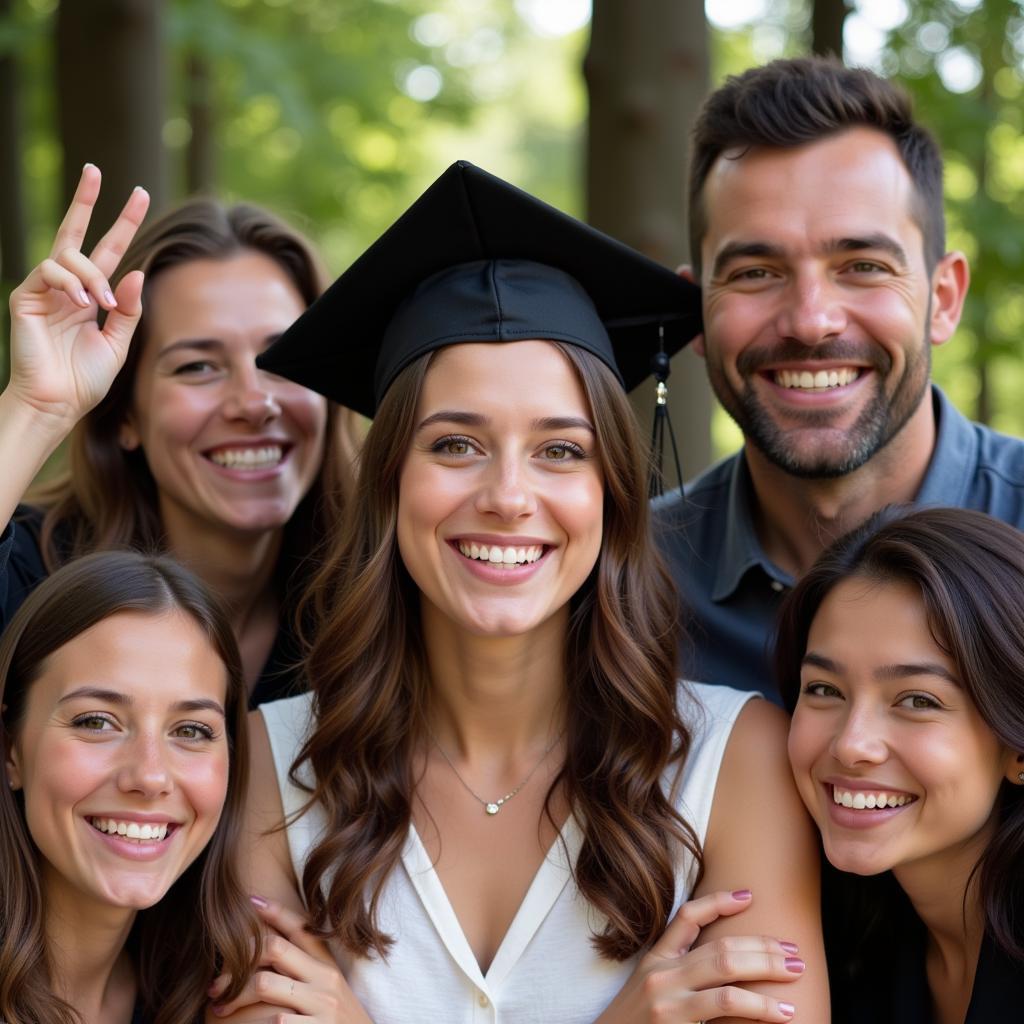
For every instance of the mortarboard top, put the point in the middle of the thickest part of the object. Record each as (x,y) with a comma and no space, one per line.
(476,259)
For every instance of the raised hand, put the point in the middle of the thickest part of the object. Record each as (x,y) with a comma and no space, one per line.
(62,363)
(677,983)
(300,983)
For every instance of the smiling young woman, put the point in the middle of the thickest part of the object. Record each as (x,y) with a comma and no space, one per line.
(498,800)
(901,653)
(125,773)
(177,441)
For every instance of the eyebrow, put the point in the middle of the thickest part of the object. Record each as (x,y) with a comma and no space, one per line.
(123,700)
(205,344)
(885,672)
(767,250)
(472,419)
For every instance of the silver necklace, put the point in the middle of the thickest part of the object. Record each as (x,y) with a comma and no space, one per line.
(493,806)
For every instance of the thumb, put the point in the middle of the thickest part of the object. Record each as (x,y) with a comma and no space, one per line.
(683,929)
(122,320)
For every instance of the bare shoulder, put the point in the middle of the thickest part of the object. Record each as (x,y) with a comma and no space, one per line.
(265,859)
(760,838)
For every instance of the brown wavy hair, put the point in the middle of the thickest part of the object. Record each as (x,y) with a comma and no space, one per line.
(205,922)
(107,497)
(368,673)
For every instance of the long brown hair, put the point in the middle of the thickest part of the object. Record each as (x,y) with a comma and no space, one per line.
(368,672)
(969,570)
(205,922)
(107,498)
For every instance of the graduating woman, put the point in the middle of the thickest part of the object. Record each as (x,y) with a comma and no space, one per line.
(497,795)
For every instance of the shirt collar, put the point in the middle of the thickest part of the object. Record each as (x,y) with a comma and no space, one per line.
(741,550)
(948,478)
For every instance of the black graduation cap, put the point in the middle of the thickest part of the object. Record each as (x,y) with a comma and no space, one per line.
(476,259)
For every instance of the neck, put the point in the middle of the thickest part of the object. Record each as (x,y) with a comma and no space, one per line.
(238,567)
(796,519)
(86,945)
(945,897)
(495,696)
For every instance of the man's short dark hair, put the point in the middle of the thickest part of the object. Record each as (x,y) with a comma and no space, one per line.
(792,102)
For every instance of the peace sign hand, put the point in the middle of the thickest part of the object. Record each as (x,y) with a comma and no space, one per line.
(62,363)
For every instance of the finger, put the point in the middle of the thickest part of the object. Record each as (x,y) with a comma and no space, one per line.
(94,280)
(267,987)
(51,275)
(76,221)
(122,321)
(730,1001)
(111,247)
(726,967)
(683,929)
(292,925)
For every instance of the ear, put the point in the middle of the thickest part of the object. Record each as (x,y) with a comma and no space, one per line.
(949,289)
(1014,768)
(128,434)
(685,271)
(13,768)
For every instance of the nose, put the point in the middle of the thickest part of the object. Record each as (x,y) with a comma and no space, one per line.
(812,309)
(505,490)
(252,397)
(860,740)
(145,769)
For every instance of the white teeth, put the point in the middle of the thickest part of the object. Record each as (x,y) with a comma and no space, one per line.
(496,555)
(248,458)
(822,380)
(130,829)
(860,800)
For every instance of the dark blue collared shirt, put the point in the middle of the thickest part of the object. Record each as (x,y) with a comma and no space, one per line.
(733,591)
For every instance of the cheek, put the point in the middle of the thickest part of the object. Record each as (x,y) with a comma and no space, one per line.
(204,783)
(306,409)
(808,739)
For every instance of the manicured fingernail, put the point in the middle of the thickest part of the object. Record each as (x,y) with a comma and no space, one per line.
(787,1008)
(87,165)
(742,894)
(83,297)
(221,1010)
(790,947)
(259,901)
(795,965)
(108,296)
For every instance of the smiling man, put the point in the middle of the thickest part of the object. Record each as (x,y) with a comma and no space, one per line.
(818,238)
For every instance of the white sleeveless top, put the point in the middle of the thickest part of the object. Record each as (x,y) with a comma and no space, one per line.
(546,970)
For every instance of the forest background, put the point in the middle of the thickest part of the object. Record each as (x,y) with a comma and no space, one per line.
(337,113)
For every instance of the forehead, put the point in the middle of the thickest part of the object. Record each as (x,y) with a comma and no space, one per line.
(155,659)
(847,185)
(210,295)
(527,376)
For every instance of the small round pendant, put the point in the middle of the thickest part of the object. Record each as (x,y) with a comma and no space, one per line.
(493,808)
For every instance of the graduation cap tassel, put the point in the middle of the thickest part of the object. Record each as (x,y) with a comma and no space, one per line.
(661,367)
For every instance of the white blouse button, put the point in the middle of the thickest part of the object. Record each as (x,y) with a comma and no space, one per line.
(483,1000)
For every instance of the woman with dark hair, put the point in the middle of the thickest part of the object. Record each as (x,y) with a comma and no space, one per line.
(176,442)
(124,750)
(497,794)
(902,655)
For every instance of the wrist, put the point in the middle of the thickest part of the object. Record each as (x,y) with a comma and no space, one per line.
(34,429)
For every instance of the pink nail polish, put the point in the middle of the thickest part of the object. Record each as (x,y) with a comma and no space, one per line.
(83,297)
(787,1008)
(742,895)
(259,901)
(790,947)
(795,965)
(108,295)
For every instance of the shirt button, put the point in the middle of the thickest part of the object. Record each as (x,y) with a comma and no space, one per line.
(483,1000)
(778,587)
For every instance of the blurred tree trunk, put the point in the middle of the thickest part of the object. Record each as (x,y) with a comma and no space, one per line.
(200,163)
(827,18)
(647,71)
(110,99)
(13,236)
